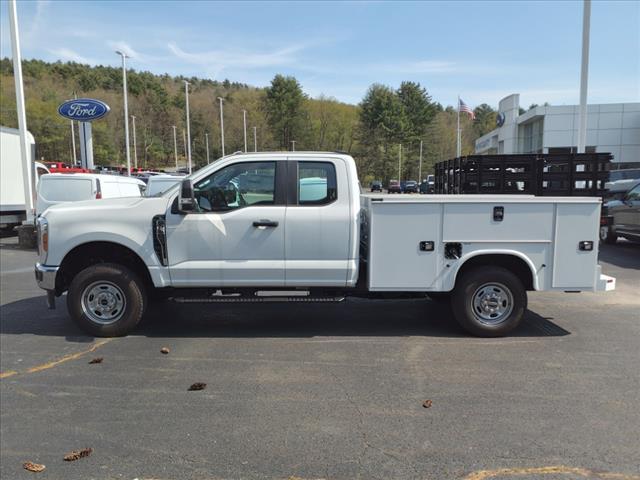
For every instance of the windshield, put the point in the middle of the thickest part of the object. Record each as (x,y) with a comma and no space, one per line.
(170,191)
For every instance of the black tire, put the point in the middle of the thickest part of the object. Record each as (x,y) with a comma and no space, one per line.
(119,285)
(503,290)
(608,236)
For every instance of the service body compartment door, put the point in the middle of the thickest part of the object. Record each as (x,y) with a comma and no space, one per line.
(396,261)
(573,268)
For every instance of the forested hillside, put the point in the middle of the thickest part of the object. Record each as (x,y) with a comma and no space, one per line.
(371,131)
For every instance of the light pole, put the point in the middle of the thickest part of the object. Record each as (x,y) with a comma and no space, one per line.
(244,123)
(184,142)
(186,95)
(584,77)
(293,145)
(400,165)
(175,145)
(221,124)
(206,139)
(126,108)
(135,150)
(255,139)
(28,174)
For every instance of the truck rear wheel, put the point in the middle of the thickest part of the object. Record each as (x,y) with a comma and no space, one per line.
(106,300)
(489,301)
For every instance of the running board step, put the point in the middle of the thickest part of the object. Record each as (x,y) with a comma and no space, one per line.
(230,299)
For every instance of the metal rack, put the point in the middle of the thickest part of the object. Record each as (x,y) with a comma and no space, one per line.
(558,174)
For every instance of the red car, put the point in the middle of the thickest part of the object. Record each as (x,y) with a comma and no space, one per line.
(394,187)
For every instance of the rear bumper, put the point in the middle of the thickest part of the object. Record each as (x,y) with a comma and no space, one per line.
(604,283)
(46,276)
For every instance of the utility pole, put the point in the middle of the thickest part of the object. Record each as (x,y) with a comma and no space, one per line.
(126,108)
(28,174)
(420,165)
(244,122)
(135,150)
(293,145)
(255,139)
(221,124)
(186,94)
(175,145)
(206,139)
(184,142)
(400,165)
(584,77)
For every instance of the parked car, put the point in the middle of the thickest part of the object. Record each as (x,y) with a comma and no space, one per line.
(58,188)
(621,218)
(254,227)
(410,186)
(428,185)
(394,187)
(376,186)
(157,184)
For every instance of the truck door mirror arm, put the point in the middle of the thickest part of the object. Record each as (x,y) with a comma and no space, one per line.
(186,199)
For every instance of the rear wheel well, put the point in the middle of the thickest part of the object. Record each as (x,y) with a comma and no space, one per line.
(514,264)
(93,253)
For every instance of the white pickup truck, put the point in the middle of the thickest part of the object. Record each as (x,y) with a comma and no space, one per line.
(296,227)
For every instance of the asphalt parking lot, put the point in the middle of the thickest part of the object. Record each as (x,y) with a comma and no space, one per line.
(331,391)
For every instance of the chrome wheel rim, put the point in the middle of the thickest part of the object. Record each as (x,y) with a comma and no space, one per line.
(492,303)
(103,302)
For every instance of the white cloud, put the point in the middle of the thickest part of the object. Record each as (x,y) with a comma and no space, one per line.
(219,59)
(70,55)
(124,48)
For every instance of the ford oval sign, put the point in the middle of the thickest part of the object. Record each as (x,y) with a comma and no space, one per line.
(83,109)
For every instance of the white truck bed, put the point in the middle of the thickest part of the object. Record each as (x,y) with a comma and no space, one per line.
(544,232)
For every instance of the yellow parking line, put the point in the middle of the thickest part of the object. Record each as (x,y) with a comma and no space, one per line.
(583,472)
(55,363)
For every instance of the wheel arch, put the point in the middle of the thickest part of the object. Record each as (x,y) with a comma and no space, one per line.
(516,262)
(95,252)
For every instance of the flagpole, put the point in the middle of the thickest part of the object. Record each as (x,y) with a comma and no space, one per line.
(458,149)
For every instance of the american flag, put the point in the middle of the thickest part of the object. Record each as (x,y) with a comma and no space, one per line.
(463,107)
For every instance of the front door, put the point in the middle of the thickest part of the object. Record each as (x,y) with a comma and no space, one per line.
(236,236)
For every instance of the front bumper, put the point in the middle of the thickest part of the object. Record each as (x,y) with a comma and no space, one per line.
(46,276)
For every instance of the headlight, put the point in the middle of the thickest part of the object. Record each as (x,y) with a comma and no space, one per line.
(43,238)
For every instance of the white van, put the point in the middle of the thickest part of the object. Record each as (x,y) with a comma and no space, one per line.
(161,183)
(57,188)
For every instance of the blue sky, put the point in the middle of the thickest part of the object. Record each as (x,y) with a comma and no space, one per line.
(480,50)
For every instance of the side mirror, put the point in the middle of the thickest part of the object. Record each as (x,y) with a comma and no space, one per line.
(186,200)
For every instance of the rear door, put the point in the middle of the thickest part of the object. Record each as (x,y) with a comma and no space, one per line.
(627,215)
(317,227)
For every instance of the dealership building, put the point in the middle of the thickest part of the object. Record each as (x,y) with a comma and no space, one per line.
(611,127)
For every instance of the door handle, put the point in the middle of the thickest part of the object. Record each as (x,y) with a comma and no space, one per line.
(265,223)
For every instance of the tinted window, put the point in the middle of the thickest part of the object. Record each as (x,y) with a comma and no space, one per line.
(634,194)
(316,183)
(236,186)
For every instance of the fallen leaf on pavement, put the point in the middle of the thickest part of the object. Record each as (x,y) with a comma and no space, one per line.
(33,467)
(96,360)
(164,350)
(427,403)
(76,454)
(197,386)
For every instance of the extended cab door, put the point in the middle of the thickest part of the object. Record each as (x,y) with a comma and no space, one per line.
(627,215)
(317,233)
(236,238)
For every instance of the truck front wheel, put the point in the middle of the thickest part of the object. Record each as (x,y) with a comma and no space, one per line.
(489,301)
(106,300)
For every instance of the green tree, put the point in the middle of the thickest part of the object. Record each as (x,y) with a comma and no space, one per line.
(284,108)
